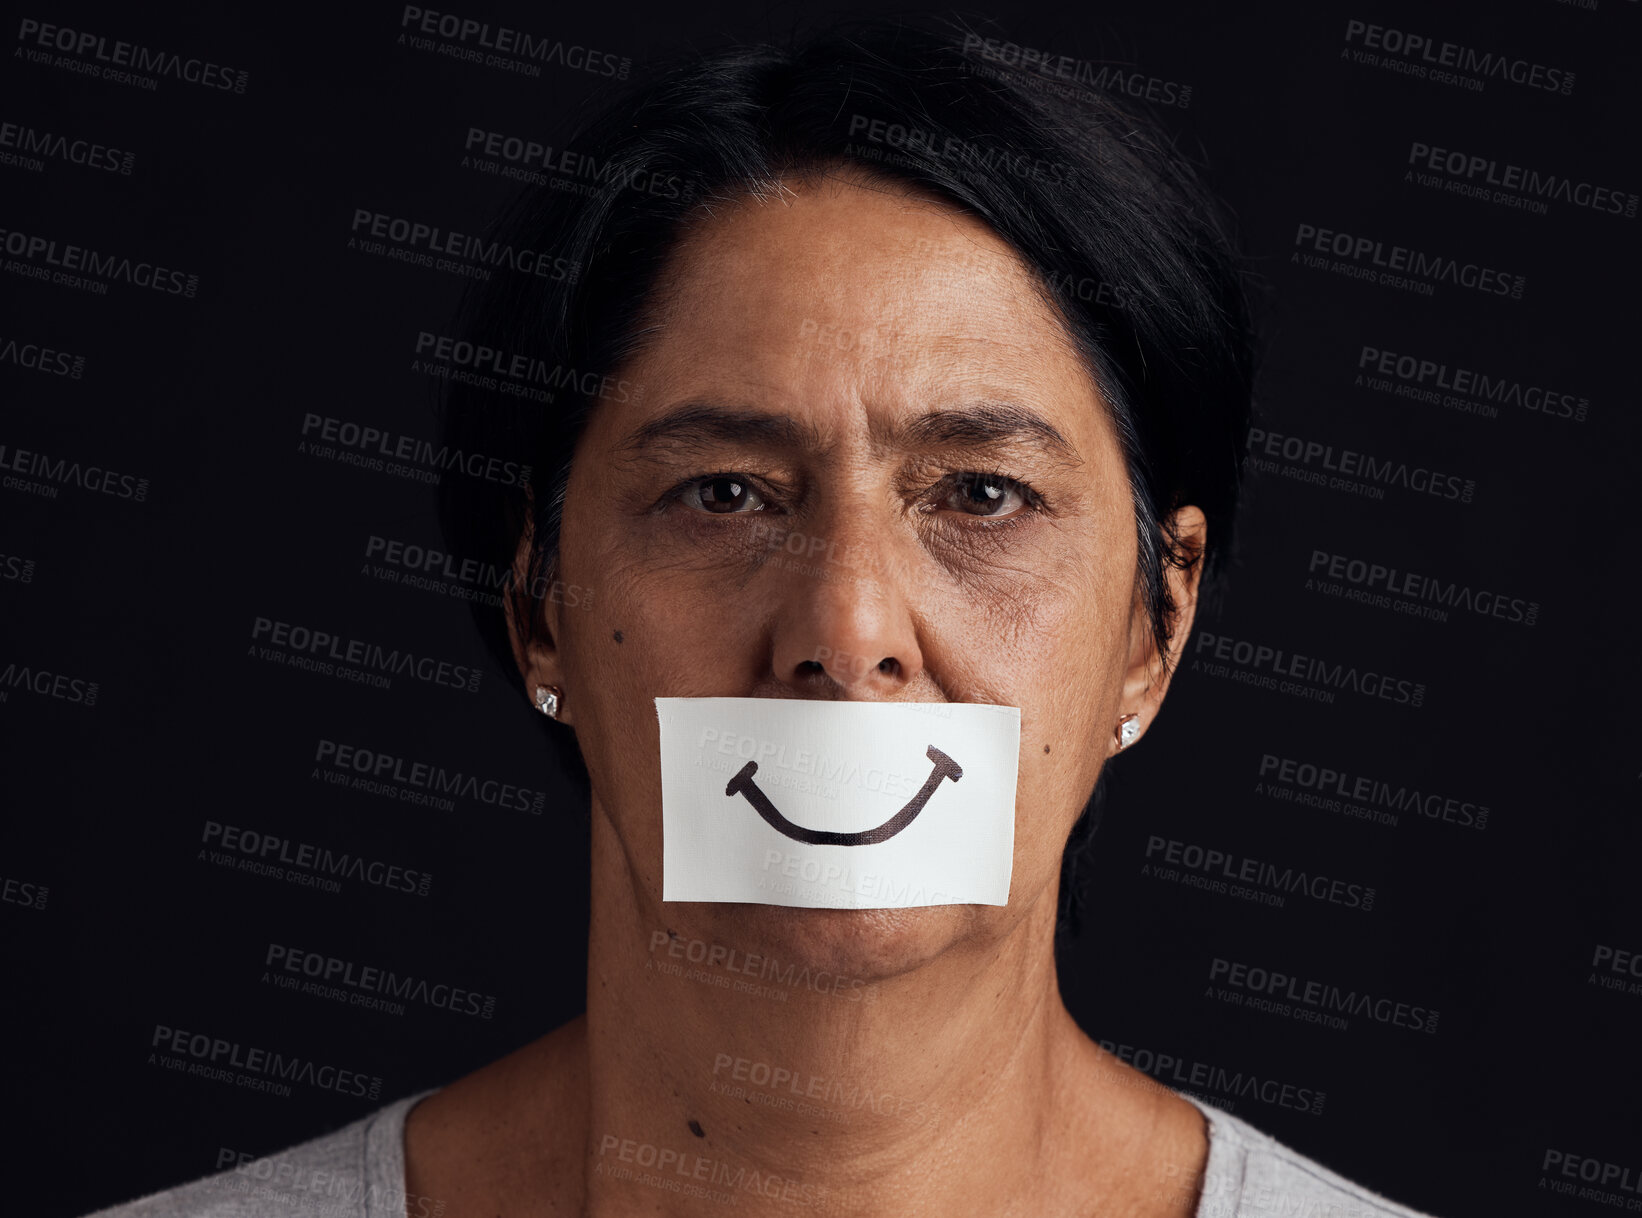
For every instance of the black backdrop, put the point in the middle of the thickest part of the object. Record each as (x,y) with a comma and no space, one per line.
(156,504)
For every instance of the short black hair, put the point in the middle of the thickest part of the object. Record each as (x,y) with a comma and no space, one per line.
(1132,251)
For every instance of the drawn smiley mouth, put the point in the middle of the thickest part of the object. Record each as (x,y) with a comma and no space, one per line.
(743,784)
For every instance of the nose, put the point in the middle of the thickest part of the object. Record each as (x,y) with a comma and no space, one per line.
(846,623)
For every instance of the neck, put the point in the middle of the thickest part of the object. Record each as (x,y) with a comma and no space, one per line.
(718,1069)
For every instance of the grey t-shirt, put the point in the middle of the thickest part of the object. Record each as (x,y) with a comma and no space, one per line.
(359,1172)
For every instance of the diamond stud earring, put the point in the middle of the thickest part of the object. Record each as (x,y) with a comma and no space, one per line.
(547,700)
(1128,730)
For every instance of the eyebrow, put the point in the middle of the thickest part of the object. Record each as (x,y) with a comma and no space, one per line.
(972,425)
(700,423)
(978,424)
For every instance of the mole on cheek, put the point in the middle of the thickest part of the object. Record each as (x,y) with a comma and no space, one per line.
(1046,748)
(617,636)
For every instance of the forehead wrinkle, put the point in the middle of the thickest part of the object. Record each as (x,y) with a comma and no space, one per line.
(911,367)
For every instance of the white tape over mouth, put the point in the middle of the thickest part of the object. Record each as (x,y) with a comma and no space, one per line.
(837,805)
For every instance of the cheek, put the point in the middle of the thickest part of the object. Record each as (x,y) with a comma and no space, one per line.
(1059,653)
(1048,631)
(679,637)
(668,641)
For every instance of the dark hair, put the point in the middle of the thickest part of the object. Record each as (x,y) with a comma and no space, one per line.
(1133,253)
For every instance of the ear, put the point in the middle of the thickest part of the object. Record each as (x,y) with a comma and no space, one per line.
(533,621)
(1150,667)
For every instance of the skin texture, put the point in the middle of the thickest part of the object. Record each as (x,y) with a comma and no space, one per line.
(853,308)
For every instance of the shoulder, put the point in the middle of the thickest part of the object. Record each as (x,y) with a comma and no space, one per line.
(354,1172)
(513,1128)
(1250,1173)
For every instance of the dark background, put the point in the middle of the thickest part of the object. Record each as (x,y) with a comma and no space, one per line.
(113,922)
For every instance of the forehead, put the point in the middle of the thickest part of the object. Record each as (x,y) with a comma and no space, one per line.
(833,293)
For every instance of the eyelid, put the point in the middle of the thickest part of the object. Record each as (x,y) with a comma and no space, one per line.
(1034,500)
(683,488)
(1027,490)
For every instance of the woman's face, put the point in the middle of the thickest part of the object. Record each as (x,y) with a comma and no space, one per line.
(896,482)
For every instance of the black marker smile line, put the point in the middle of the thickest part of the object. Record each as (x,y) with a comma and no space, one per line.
(743,784)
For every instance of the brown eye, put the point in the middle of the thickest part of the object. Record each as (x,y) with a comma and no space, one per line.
(723,495)
(984,495)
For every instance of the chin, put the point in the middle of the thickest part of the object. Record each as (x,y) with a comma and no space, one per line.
(866,945)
